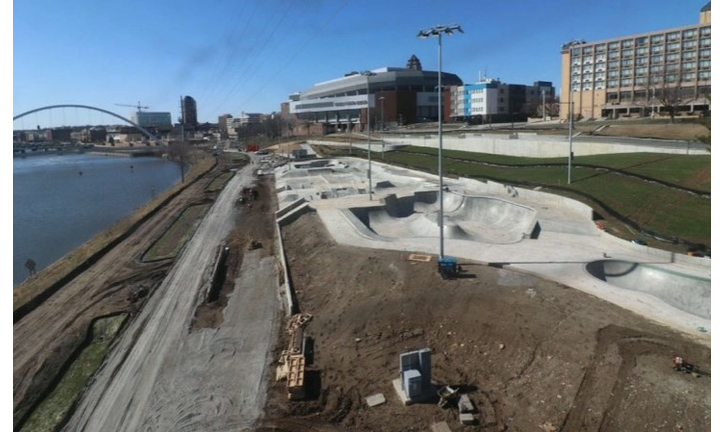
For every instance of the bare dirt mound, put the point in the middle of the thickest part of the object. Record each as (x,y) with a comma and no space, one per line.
(532,355)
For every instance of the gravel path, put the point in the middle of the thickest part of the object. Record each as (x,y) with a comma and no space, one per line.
(161,377)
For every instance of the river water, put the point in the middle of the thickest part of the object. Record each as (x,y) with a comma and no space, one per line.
(62,201)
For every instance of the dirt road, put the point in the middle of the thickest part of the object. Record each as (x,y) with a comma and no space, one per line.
(162,377)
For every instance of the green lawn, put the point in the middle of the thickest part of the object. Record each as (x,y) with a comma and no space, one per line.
(55,407)
(652,206)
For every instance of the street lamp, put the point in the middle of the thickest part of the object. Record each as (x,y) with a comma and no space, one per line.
(571,126)
(368,74)
(382,127)
(424,34)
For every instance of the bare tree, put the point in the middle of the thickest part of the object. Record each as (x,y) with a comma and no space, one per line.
(180,153)
(671,95)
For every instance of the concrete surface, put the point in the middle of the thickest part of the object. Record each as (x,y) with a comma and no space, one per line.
(493,223)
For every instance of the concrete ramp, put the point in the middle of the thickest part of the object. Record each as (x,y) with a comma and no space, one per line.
(688,293)
(476,218)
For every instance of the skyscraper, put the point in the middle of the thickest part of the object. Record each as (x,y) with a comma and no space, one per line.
(188,111)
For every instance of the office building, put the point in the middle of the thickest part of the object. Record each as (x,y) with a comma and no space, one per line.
(188,111)
(640,74)
(492,101)
(389,95)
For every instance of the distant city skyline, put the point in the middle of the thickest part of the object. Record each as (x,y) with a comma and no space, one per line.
(249,56)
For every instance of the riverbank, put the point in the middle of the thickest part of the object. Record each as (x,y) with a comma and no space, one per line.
(40,286)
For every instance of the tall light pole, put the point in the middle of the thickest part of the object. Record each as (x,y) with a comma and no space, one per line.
(571,126)
(382,123)
(367,74)
(424,34)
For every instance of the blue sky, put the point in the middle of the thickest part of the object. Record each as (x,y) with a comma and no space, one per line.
(249,55)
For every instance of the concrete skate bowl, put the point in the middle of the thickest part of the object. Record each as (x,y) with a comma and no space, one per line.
(687,293)
(474,218)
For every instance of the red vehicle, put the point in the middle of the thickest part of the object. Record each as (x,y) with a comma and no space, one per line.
(252,147)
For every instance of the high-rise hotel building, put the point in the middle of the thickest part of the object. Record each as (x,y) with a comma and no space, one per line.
(638,74)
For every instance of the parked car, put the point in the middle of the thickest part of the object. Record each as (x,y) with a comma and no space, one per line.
(639,241)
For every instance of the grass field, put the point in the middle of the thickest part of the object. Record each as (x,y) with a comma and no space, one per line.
(53,409)
(654,207)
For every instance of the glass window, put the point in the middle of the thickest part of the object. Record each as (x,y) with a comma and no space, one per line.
(703,75)
(599,58)
(690,76)
(613,55)
(673,58)
(613,46)
(705,42)
(627,43)
(673,46)
(612,65)
(689,34)
(689,55)
(673,36)
(705,53)
(705,31)
(657,39)
(640,71)
(599,76)
(642,51)
(599,48)
(627,62)
(640,81)
(656,59)
(690,44)
(641,41)
(613,83)
(576,52)
(691,65)
(704,64)
(656,49)
(587,59)
(613,74)
(641,61)
(627,52)
(588,49)
(612,96)
(627,72)
(625,96)
(656,69)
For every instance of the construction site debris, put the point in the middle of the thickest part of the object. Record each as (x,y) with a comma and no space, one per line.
(440,427)
(296,377)
(467,419)
(375,400)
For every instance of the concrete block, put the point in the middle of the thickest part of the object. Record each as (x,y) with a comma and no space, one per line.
(464,404)
(375,400)
(440,427)
(467,419)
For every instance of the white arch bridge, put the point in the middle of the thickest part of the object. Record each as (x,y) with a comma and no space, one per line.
(50,107)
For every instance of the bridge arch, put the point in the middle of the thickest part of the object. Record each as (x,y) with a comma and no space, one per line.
(137,126)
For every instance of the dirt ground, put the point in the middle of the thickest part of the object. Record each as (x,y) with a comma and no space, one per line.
(532,355)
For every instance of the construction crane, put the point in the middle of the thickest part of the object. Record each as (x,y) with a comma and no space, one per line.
(138,106)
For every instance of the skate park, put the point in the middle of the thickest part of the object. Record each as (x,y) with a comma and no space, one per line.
(495,224)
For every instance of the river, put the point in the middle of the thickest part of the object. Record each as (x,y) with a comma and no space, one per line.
(62,201)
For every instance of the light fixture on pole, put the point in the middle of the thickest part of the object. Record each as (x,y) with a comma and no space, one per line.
(367,74)
(424,34)
(382,124)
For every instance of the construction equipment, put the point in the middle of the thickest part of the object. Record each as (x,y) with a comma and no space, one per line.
(448,397)
(448,267)
(137,106)
(680,365)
